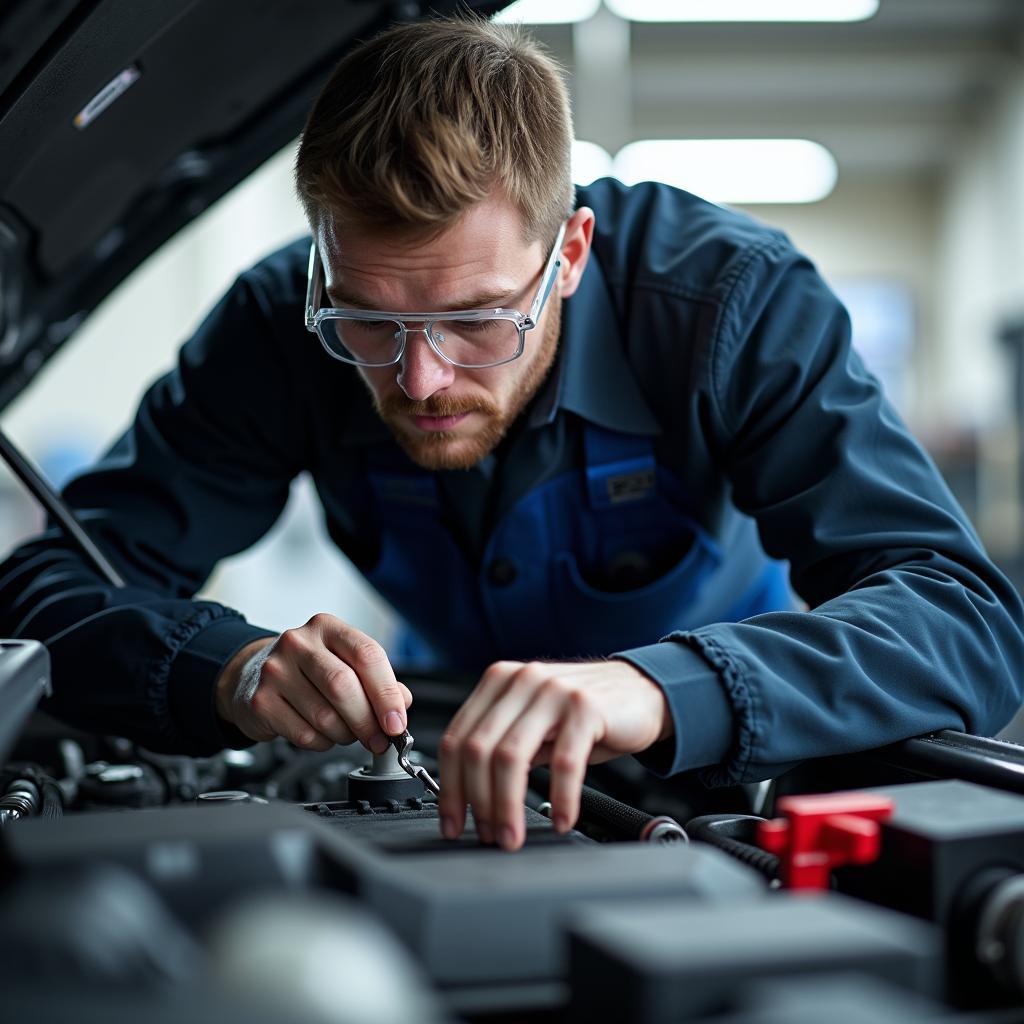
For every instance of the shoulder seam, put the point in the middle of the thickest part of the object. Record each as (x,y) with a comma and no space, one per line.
(661,285)
(725,313)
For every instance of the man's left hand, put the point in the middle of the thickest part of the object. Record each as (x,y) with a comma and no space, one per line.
(565,714)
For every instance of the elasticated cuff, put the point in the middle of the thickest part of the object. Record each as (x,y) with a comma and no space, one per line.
(700,710)
(193,678)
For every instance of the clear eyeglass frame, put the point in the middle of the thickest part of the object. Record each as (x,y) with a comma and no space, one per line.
(318,318)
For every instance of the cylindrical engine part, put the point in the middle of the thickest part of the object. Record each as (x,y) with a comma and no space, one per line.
(663,829)
(383,779)
(21,800)
(219,797)
(123,785)
(999,935)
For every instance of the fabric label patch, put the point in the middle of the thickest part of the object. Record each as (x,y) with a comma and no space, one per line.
(630,486)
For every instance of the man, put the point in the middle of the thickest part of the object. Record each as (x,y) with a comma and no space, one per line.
(560,438)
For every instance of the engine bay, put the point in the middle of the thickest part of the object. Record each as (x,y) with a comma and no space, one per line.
(273,884)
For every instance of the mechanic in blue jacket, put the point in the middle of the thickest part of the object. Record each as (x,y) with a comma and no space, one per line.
(585,449)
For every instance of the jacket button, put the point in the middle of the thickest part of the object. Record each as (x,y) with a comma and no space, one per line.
(502,571)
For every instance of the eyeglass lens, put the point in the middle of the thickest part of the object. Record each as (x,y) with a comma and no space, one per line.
(466,342)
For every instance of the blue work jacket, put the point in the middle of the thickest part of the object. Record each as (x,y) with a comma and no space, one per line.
(706,429)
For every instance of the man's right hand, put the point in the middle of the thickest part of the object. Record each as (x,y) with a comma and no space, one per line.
(320,684)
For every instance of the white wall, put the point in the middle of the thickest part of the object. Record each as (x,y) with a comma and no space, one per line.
(979,286)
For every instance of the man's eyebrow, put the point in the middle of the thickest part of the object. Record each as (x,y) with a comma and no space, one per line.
(487,300)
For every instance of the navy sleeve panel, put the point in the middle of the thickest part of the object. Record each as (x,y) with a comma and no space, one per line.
(203,472)
(910,628)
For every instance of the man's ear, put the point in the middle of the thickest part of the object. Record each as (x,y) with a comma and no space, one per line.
(579,231)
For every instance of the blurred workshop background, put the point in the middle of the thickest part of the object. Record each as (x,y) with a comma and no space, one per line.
(887,138)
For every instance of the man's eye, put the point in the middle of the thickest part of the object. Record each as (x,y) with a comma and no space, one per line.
(383,326)
(477,326)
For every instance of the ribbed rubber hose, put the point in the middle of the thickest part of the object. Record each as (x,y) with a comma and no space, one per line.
(51,804)
(620,820)
(725,830)
(53,799)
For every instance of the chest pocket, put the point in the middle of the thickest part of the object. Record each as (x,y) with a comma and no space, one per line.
(634,564)
(632,533)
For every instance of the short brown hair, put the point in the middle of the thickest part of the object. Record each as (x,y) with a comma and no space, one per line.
(427,119)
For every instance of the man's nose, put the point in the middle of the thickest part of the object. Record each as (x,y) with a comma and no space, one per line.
(422,372)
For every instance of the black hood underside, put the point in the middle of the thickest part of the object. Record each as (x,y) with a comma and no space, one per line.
(122,120)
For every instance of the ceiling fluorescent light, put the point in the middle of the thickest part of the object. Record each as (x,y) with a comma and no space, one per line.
(547,12)
(743,10)
(589,162)
(733,170)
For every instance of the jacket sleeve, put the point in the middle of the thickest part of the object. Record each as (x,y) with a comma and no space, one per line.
(910,627)
(203,472)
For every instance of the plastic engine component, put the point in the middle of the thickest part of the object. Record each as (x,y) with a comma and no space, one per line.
(835,999)
(476,916)
(675,960)
(821,832)
(953,853)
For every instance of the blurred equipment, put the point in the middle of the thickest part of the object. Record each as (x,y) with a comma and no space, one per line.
(24,680)
(322,956)
(198,859)
(95,923)
(833,999)
(953,853)
(670,960)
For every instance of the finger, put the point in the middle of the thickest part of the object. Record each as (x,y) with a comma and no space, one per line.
(315,709)
(339,687)
(370,663)
(284,673)
(278,715)
(570,755)
(509,699)
(452,799)
(406,694)
(490,686)
(514,755)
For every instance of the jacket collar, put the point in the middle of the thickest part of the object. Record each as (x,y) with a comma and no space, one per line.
(591,376)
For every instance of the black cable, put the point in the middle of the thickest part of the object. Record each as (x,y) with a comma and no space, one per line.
(53,799)
(612,817)
(621,820)
(734,834)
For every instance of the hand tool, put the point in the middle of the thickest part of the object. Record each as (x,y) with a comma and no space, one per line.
(403,744)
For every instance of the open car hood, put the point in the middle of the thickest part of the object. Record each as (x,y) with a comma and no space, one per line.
(122,120)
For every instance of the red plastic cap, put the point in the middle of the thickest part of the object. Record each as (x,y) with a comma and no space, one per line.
(821,832)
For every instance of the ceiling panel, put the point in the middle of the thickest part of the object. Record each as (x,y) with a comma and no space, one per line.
(892,95)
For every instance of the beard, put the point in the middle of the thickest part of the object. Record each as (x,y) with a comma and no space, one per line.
(446,449)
